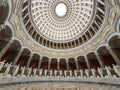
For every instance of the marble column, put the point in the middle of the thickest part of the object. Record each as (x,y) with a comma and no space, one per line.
(17,57)
(40,61)
(67,65)
(117,60)
(6,47)
(99,60)
(87,62)
(58,64)
(29,61)
(77,66)
(49,62)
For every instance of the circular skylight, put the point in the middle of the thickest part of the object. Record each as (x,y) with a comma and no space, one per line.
(61,9)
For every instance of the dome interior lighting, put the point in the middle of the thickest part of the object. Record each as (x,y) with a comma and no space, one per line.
(61,9)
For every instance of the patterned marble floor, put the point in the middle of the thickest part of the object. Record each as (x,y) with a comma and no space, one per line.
(59,86)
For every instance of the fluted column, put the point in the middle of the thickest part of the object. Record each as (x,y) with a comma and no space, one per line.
(77,66)
(87,62)
(5,48)
(67,65)
(117,60)
(99,60)
(17,57)
(29,61)
(40,61)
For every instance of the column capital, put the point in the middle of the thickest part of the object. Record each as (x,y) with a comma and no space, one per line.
(87,62)
(40,57)
(67,60)
(96,53)
(11,41)
(58,60)
(31,55)
(108,47)
(76,59)
(21,50)
(50,59)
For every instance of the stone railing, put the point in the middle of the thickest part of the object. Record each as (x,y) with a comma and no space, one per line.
(11,74)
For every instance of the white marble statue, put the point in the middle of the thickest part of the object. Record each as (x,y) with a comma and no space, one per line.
(75,73)
(108,71)
(23,70)
(100,72)
(70,73)
(2,64)
(45,73)
(60,73)
(65,73)
(34,71)
(87,72)
(55,73)
(40,72)
(8,66)
(117,69)
(51,73)
(81,72)
(29,71)
(93,72)
(16,70)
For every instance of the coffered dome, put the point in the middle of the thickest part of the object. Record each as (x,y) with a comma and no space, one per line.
(63,24)
(51,24)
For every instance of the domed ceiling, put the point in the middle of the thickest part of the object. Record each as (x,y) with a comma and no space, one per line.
(63,25)
(61,20)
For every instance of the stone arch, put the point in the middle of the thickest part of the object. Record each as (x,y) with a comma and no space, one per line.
(54,64)
(44,63)
(106,57)
(81,62)
(63,64)
(114,46)
(72,64)
(93,60)
(12,51)
(23,60)
(5,37)
(35,60)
